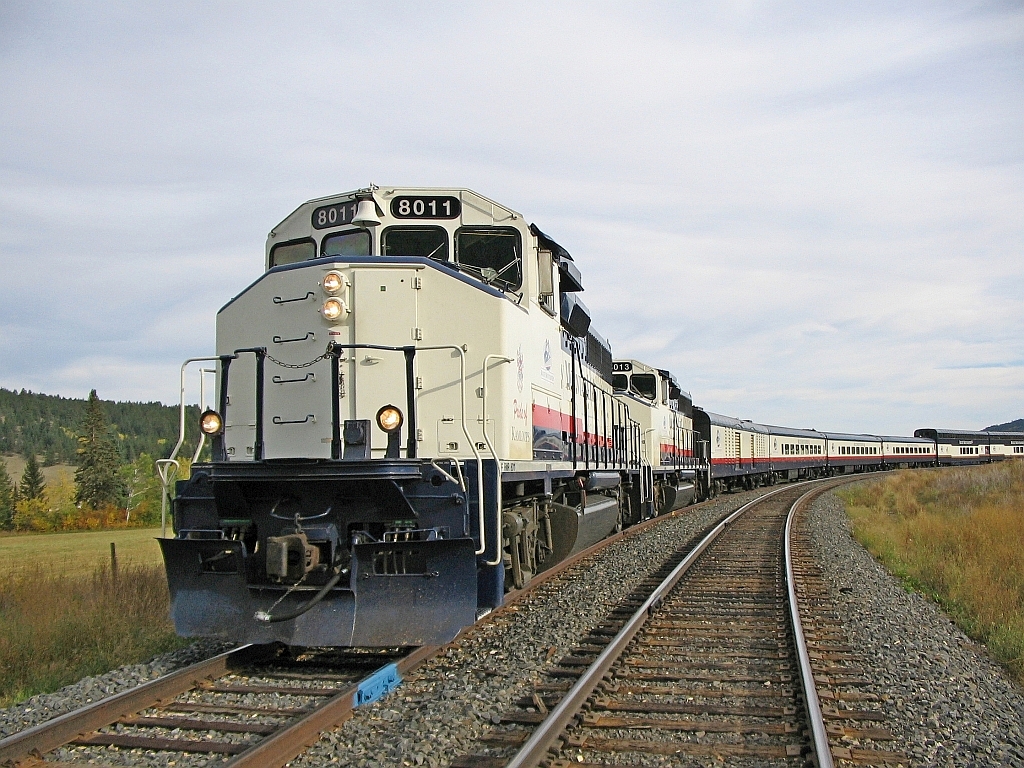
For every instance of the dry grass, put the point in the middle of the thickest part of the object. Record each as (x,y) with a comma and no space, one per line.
(79,552)
(958,536)
(16,467)
(57,628)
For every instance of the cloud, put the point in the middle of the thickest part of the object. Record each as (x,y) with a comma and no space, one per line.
(811,214)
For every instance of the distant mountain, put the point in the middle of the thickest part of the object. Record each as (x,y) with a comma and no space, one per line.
(47,425)
(1010,426)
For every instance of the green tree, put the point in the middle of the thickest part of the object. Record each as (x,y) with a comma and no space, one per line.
(50,457)
(8,492)
(97,477)
(32,482)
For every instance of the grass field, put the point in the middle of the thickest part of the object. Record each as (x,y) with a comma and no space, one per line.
(956,535)
(57,629)
(78,554)
(62,615)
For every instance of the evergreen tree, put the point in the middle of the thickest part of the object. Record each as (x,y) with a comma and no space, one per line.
(32,483)
(50,457)
(8,497)
(97,478)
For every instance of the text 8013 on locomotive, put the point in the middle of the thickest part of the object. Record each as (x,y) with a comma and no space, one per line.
(413,415)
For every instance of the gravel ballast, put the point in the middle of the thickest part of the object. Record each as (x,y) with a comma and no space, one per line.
(947,703)
(46,706)
(441,709)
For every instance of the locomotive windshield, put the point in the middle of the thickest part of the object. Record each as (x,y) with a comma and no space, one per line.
(431,242)
(490,254)
(292,253)
(645,385)
(352,243)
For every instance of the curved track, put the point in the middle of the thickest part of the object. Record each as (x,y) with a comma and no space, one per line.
(698,661)
(246,707)
(713,661)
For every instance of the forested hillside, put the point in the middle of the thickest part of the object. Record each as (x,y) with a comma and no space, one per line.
(1010,426)
(47,426)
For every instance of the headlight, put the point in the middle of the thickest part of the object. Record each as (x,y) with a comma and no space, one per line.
(333,282)
(210,422)
(333,309)
(389,418)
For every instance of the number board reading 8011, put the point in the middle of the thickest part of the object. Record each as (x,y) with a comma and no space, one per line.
(336,215)
(426,207)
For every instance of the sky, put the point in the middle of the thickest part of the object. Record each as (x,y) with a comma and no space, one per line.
(812,213)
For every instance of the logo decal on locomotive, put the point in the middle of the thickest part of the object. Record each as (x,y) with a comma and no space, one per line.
(545,371)
(519,367)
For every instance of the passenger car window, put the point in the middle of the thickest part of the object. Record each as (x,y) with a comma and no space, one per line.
(492,254)
(292,253)
(352,243)
(429,242)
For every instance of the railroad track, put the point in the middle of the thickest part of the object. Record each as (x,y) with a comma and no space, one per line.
(252,706)
(728,653)
(244,708)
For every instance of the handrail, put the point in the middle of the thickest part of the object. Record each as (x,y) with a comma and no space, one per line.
(163,471)
(202,408)
(465,431)
(181,401)
(501,359)
(409,352)
(166,475)
(645,461)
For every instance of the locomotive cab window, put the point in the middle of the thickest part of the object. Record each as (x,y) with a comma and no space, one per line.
(352,243)
(493,255)
(620,382)
(429,242)
(645,385)
(292,253)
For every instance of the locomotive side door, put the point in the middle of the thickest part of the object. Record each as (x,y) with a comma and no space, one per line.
(385,309)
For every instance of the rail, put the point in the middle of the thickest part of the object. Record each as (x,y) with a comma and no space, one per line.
(536,747)
(53,733)
(280,747)
(822,751)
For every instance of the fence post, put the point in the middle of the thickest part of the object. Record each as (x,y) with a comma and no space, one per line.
(113,562)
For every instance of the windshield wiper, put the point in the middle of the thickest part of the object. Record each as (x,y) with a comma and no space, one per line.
(488,275)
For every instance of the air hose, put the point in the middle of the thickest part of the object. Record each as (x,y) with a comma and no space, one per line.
(266,617)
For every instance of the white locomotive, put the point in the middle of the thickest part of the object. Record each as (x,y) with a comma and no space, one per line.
(413,415)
